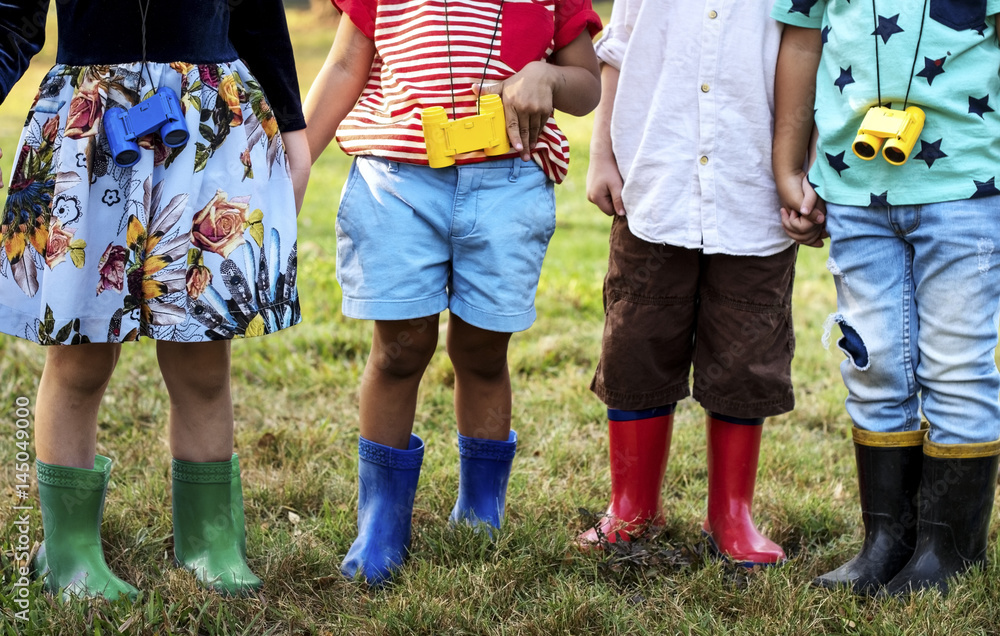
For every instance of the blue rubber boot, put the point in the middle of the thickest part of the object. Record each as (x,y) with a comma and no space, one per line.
(482,480)
(387,484)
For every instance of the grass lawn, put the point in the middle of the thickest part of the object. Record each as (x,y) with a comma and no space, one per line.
(296,407)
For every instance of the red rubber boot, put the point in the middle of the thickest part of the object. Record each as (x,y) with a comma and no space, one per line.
(640,444)
(733,450)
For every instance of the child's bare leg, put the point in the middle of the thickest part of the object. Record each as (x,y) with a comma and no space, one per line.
(201,404)
(389,457)
(486,445)
(482,380)
(208,540)
(401,350)
(69,395)
(72,480)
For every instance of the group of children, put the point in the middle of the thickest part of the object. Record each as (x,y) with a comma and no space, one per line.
(195,245)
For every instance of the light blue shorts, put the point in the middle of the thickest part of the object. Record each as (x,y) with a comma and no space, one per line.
(414,240)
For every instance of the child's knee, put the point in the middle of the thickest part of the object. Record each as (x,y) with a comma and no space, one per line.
(403,351)
(211,361)
(486,357)
(85,368)
(400,362)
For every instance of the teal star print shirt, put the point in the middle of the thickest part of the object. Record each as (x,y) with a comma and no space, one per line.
(955,81)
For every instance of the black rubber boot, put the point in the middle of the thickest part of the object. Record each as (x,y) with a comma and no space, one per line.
(889,467)
(956,502)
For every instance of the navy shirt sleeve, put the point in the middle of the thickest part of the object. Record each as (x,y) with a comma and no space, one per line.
(22,34)
(258,30)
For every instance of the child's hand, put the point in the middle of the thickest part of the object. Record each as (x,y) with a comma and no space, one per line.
(604,184)
(803,213)
(299,163)
(527,104)
(805,229)
(570,81)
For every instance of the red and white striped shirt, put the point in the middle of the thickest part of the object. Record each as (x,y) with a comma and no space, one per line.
(414,69)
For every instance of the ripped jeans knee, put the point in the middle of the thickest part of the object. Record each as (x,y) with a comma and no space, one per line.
(850,342)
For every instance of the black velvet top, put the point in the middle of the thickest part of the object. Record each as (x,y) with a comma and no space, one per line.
(194,31)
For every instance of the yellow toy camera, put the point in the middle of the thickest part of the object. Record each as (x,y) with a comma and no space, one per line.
(900,129)
(486,131)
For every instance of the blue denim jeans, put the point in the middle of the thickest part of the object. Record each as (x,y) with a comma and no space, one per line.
(918,298)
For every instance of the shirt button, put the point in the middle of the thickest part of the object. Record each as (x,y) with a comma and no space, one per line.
(703,160)
(713,14)
(704,88)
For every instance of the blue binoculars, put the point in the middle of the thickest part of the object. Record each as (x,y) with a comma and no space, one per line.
(161,112)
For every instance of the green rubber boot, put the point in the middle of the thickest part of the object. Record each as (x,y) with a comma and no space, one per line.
(71,557)
(206,540)
(239,519)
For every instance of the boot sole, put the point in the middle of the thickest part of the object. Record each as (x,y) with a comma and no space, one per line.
(718,554)
(242,593)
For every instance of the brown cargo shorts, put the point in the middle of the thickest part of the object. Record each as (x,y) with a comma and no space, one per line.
(667,308)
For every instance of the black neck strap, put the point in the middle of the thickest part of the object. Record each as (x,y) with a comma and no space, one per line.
(916,51)
(489,55)
(143,11)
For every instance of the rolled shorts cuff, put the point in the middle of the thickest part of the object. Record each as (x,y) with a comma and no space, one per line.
(747,410)
(394,309)
(501,323)
(636,401)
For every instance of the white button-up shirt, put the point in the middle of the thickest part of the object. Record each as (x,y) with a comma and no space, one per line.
(692,122)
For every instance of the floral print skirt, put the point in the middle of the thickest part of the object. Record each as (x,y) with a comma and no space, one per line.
(192,243)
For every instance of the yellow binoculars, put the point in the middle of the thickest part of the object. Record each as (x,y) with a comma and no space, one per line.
(486,131)
(899,128)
